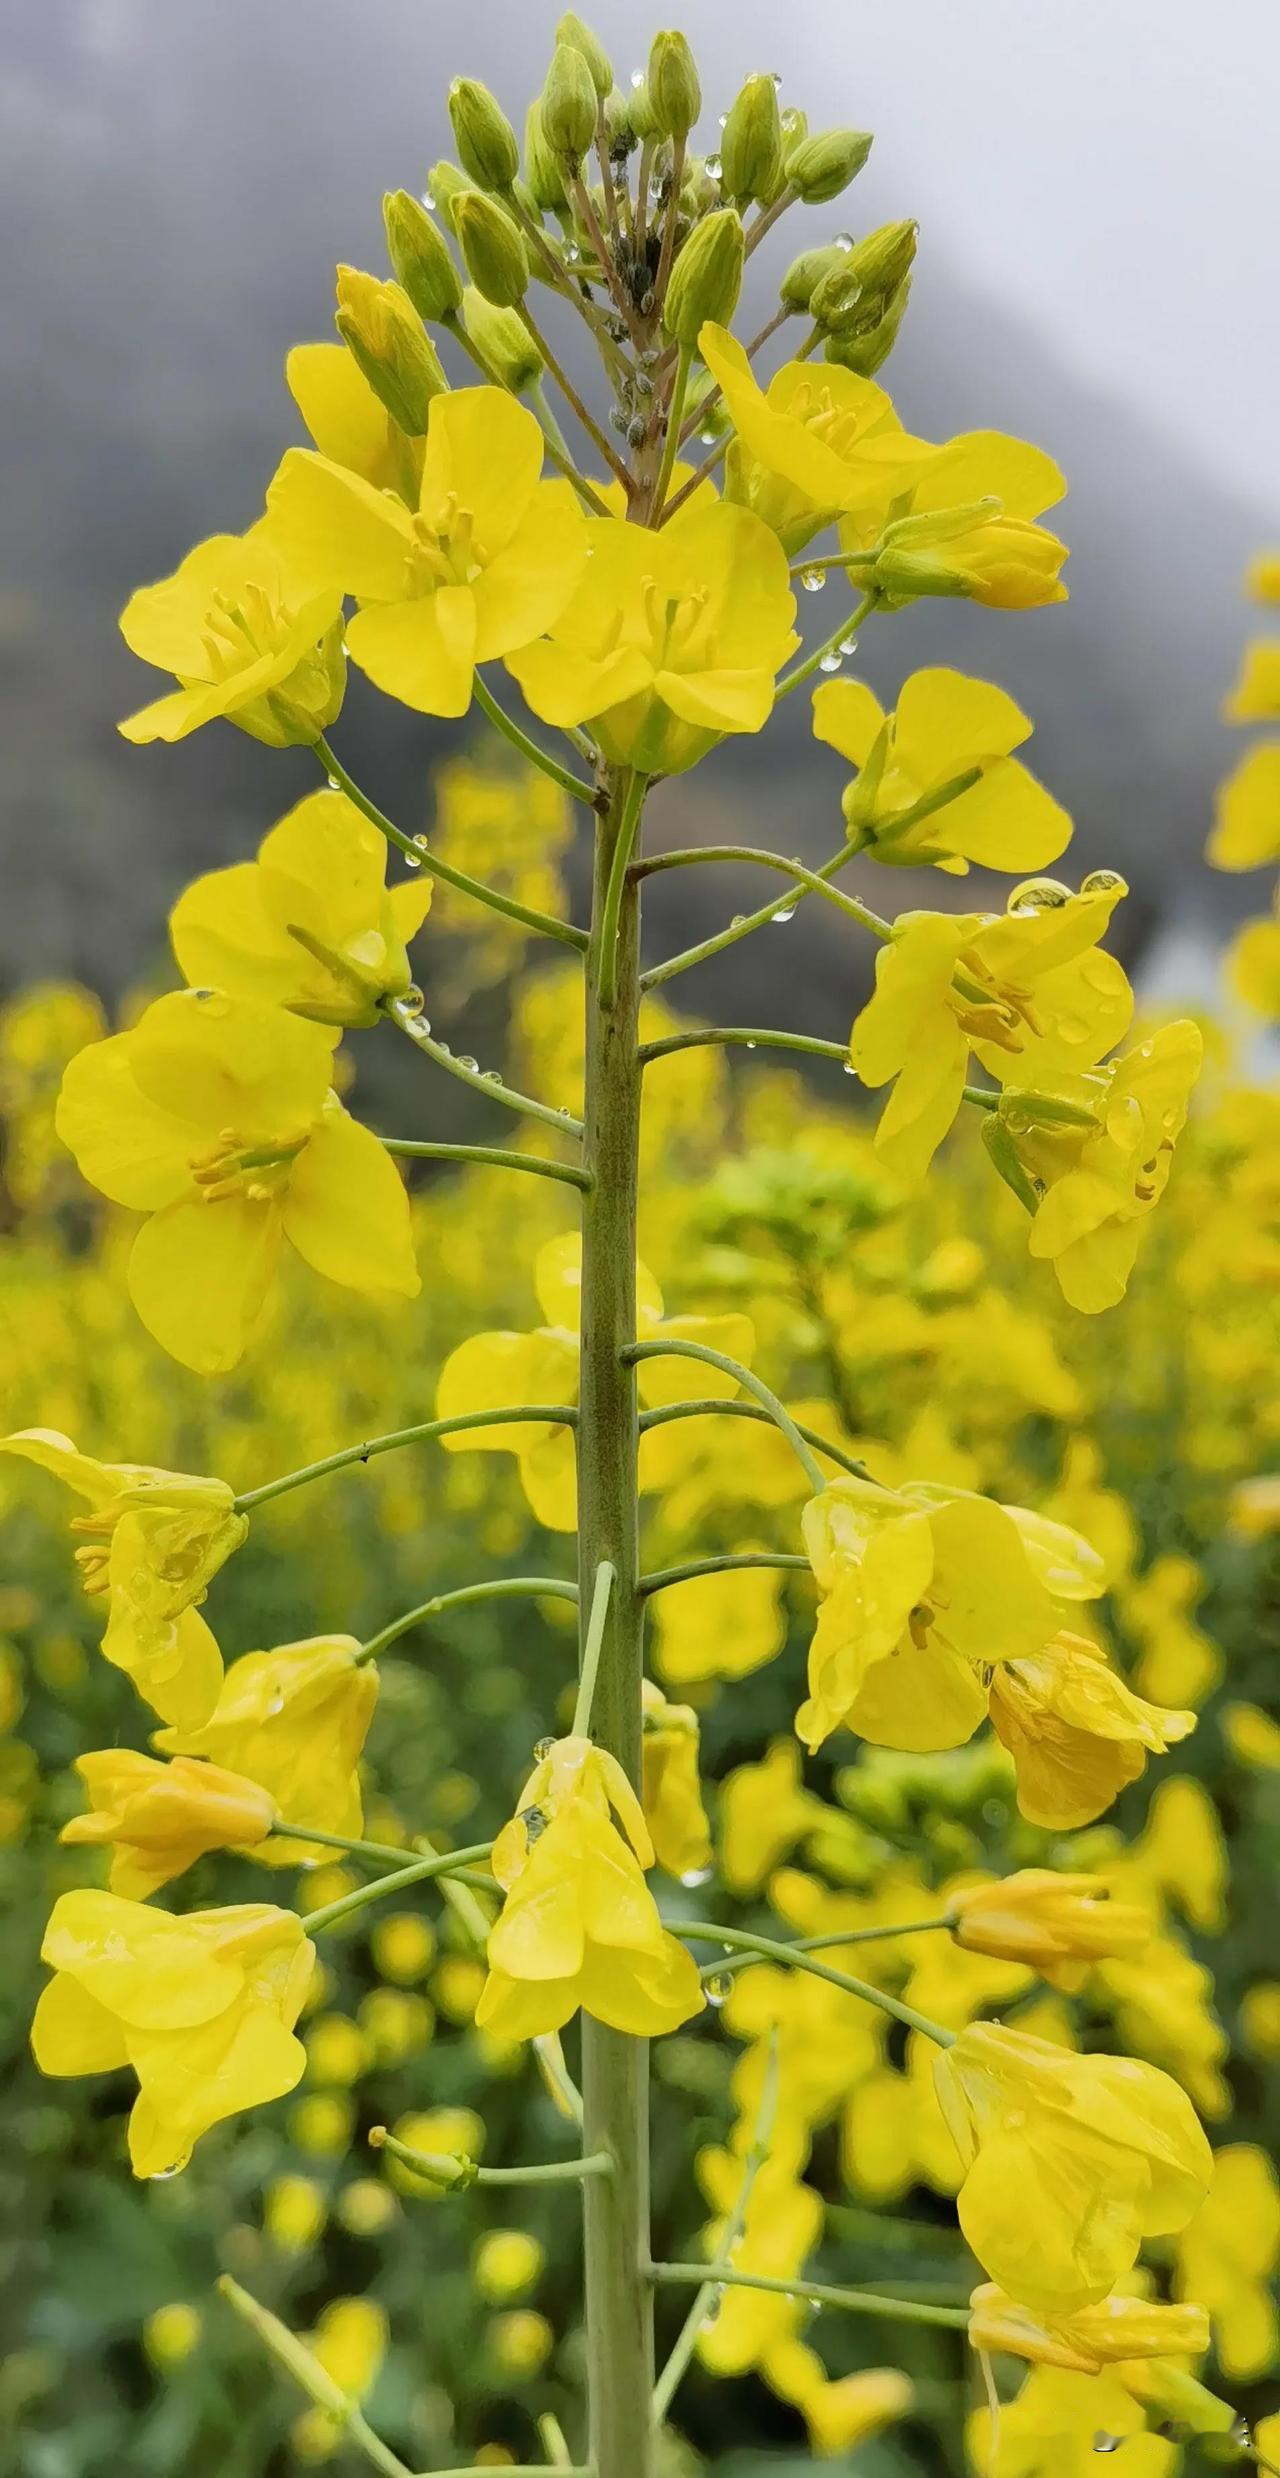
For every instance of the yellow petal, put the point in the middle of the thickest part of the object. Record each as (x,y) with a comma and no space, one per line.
(346,420)
(848,716)
(332,529)
(136,1151)
(346,1210)
(490,1371)
(199,1275)
(522,591)
(1246,833)
(72,2033)
(421,651)
(484,455)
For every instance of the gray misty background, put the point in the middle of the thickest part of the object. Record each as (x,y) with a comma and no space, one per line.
(1097,186)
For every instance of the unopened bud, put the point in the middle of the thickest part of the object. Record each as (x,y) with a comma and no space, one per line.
(491,245)
(751,149)
(620,133)
(882,260)
(641,112)
(503,342)
(674,91)
(706,279)
(699,191)
(485,137)
(835,298)
(573,29)
(866,349)
(421,257)
(819,168)
(569,104)
(543,177)
(806,272)
(383,334)
(445,185)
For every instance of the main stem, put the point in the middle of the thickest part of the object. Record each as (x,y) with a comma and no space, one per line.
(615,2068)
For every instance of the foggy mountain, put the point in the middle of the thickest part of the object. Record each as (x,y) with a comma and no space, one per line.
(175,187)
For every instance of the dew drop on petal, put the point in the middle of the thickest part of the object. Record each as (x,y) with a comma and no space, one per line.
(694,1876)
(543,1749)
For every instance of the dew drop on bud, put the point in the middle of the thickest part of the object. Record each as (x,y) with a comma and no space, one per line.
(712,167)
(543,1749)
(696,1875)
(719,1987)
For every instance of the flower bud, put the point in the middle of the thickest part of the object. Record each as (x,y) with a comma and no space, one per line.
(569,106)
(486,140)
(421,257)
(572,29)
(751,165)
(820,167)
(383,334)
(674,91)
(641,111)
(699,190)
(491,245)
(806,272)
(622,135)
(543,177)
(445,185)
(706,279)
(504,341)
(884,258)
(864,348)
(835,298)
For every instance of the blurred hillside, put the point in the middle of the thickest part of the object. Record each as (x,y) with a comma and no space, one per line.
(176,187)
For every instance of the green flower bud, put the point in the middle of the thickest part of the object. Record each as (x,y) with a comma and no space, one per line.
(795,126)
(641,111)
(572,29)
(493,249)
(806,272)
(543,176)
(504,342)
(674,92)
(751,164)
(421,257)
(819,168)
(866,349)
(569,106)
(383,334)
(835,298)
(699,192)
(882,260)
(486,140)
(445,185)
(707,277)
(621,133)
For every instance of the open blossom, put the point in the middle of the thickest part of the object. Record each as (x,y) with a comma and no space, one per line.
(967,528)
(214,1117)
(484,562)
(672,639)
(923,1589)
(348,423)
(151,1542)
(203,2008)
(1070,2162)
(311,924)
(1025,989)
(158,1819)
(1077,1734)
(1058,1924)
(817,443)
(1106,2334)
(670,1790)
(579,1926)
(490,1370)
(244,642)
(295,1721)
(944,728)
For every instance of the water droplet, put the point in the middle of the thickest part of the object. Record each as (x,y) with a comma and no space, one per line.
(776,76)
(472,1065)
(785,912)
(161,2176)
(1104,882)
(724,120)
(275,1707)
(572,254)
(411,860)
(831,661)
(422,843)
(493,1075)
(847,646)
(696,1875)
(334,784)
(813,580)
(1103,2442)
(543,1749)
(712,166)
(637,78)
(413,1003)
(1240,2432)
(563,1113)
(849,1069)
(751,1045)
(444,1049)
(1039,895)
(844,241)
(707,438)
(739,921)
(719,1987)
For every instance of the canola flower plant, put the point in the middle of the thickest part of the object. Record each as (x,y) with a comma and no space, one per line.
(646,612)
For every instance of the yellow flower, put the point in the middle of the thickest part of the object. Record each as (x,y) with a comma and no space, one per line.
(483,564)
(783,2224)
(1025,988)
(816,444)
(162,1817)
(580,1926)
(1181,1854)
(1059,1924)
(542,1367)
(348,423)
(1256,695)
(1115,2329)
(202,2008)
(243,642)
(170,2334)
(1093,1184)
(967,529)
(506,2263)
(295,1721)
(153,1541)
(311,924)
(764,1811)
(350,2343)
(1077,1734)
(718,1625)
(944,726)
(922,1588)
(1227,2254)
(1246,832)
(670,1789)
(1070,2162)
(842,2414)
(1253,966)
(671,640)
(215,1119)
(1051,2430)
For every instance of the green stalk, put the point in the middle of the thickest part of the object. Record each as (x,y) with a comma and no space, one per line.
(495,1587)
(771,1949)
(560,1415)
(615,2067)
(751,1384)
(421,1872)
(487,1156)
(850,2301)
